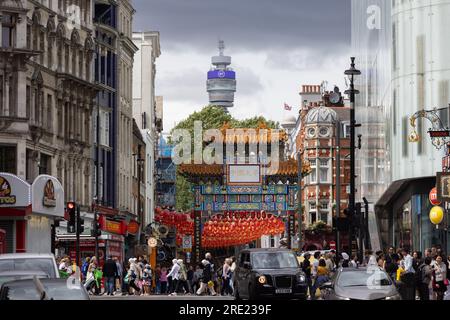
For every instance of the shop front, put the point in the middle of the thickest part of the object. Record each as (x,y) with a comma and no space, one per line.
(403,216)
(112,240)
(27,212)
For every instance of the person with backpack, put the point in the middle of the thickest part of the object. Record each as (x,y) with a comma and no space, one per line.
(424,277)
(322,276)
(206,281)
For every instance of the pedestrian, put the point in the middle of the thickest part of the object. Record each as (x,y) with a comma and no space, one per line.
(425,272)
(232,269)
(174,276)
(147,279)
(345,263)
(407,277)
(381,261)
(315,264)
(182,278)
(197,277)
(125,279)
(119,266)
(110,272)
(214,277)
(367,254)
(440,281)
(190,279)
(163,280)
(391,265)
(306,267)
(157,279)
(91,276)
(206,281)
(353,263)
(322,277)
(329,261)
(84,267)
(417,260)
(133,276)
(226,277)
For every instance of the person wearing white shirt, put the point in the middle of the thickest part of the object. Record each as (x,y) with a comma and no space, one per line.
(408,278)
(174,275)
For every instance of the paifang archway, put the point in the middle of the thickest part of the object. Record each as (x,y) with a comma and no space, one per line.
(243,198)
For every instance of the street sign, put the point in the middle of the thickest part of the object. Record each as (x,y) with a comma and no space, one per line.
(187,242)
(433,197)
(439,133)
(332,245)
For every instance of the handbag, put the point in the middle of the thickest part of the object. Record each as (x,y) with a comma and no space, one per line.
(446,282)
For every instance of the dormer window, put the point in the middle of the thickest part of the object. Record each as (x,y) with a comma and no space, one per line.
(8,24)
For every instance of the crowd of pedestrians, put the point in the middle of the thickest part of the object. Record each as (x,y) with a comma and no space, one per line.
(417,275)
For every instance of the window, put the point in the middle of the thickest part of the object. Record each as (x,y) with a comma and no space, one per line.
(346,130)
(312,206)
(100,183)
(311,132)
(49,112)
(324,206)
(8,30)
(324,171)
(313,176)
(313,216)
(8,159)
(323,132)
(324,216)
(45,165)
(405,141)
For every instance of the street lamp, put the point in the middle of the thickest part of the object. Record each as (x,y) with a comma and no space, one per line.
(351,73)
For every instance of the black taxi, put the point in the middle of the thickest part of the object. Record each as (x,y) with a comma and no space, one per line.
(269,273)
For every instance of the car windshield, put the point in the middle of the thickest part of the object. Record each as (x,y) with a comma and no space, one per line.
(363,279)
(274,260)
(56,291)
(42,264)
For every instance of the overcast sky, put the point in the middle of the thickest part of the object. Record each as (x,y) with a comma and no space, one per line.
(276,46)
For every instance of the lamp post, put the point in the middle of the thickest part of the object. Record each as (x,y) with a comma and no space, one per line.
(299,196)
(351,73)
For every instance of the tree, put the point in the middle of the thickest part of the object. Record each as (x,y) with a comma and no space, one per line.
(212,117)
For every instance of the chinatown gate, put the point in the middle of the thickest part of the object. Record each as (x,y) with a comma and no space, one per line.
(238,202)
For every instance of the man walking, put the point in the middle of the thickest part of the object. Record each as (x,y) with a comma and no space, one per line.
(118,285)
(110,272)
(408,278)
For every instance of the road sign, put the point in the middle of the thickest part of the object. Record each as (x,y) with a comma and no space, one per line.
(187,242)
(332,245)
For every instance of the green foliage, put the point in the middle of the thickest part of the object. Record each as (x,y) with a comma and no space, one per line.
(212,117)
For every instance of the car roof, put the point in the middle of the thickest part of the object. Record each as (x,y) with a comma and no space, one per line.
(25,255)
(266,250)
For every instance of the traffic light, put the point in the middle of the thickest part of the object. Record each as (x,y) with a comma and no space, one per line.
(97,228)
(80,222)
(71,211)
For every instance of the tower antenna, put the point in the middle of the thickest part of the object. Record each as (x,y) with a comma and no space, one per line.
(221,47)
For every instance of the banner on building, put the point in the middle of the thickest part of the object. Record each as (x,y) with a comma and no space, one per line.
(197,236)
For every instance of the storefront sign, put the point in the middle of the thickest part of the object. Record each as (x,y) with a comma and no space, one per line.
(113,226)
(5,192)
(106,211)
(133,227)
(14,192)
(433,197)
(443,186)
(47,196)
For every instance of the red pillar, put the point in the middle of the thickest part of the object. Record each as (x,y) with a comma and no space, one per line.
(20,236)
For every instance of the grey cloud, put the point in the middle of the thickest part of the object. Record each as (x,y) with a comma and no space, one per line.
(246,24)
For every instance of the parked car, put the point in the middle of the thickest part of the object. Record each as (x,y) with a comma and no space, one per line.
(29,262)
(48,289)
(264,273)
(360,284)
(7,276)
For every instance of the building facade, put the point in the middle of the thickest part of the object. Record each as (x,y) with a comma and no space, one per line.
(147,109)
(47,96)
(401,50)
(166,174)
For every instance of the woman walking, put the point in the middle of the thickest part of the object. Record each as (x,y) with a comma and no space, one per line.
(174,276)
(133,276)
(163,280)
(440,281)
(226,277)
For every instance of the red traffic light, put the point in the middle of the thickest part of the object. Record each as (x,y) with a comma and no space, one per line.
(70,205)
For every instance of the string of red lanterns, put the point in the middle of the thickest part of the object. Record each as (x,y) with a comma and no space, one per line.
(226,229)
